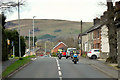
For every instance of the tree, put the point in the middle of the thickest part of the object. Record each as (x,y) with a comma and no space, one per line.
(4,39)
(112,34)
(23,46)
(10,5)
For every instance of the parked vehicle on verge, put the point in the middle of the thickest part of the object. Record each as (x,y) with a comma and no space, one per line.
(69,50)
(93,53)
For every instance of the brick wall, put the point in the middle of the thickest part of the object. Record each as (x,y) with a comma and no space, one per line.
(97,39)
(60,46)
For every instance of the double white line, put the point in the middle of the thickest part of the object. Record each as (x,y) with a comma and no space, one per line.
(59,69)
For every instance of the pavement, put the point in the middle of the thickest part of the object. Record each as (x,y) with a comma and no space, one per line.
(7,63)
(100,64)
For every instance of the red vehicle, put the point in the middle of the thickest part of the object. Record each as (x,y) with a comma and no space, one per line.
(63,53)
(41,55)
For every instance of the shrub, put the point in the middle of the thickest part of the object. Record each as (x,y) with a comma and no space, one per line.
(84,55)
(54,54)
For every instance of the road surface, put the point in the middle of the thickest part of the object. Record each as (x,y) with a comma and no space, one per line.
(48,67)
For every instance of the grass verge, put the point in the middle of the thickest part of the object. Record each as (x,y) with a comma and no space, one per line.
(16,65)
(84,55)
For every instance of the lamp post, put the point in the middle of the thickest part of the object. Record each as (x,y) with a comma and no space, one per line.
(33,33)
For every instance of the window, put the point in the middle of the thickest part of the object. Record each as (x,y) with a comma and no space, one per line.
(96,50)
(98,45)
(98,34)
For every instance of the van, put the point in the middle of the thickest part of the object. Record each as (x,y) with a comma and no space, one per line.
(69,50)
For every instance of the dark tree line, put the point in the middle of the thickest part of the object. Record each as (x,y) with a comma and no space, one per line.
(13,36)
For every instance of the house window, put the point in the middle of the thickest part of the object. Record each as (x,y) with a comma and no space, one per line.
(98,34)
(98,45)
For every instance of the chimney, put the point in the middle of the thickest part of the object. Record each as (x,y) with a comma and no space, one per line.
(117,5)
(101,18)
(96,21)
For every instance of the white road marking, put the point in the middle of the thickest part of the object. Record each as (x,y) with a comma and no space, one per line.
(60,74)
(59,68)
(60,78)
(33,59)
(58,65)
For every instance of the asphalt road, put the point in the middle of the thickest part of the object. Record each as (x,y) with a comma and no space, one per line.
(44,67)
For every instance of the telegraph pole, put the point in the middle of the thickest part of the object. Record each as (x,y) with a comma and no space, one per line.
(19,28)
(45,47)
(81,37)
(29,41)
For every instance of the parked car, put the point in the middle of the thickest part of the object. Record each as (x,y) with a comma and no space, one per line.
(69,50)
(93,53)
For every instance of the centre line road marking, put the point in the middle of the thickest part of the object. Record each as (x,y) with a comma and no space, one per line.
(59,68)
(60,74)
(60,78)
(57,63)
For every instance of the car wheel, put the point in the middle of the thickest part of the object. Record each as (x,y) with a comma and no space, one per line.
(94,57)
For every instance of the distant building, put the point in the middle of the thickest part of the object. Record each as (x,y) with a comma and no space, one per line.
(59,45)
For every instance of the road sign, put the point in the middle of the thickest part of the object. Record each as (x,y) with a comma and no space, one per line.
(8,41)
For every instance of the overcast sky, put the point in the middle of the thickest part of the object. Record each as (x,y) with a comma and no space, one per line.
(74,10)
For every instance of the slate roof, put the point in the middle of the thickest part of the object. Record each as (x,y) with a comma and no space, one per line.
(92,29)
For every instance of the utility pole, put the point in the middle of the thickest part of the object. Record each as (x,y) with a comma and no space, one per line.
(29,41)
(74,41)
(45,47)
(33,33)
(13,49)
(19,28)
(81,37)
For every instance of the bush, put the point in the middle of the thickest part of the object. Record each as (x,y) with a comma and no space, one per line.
(12,56)
(54,54)
(84,55)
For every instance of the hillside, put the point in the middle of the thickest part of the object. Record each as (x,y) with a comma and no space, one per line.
(49,27)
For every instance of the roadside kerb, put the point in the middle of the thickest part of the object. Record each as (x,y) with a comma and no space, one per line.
(107,73)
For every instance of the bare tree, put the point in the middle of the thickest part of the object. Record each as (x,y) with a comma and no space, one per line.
(111,33)
(10,5)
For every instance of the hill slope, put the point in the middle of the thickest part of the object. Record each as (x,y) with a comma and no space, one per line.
(51,27)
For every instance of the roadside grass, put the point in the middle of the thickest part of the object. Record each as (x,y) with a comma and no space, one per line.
(16,65)
(84,55)
(54,54)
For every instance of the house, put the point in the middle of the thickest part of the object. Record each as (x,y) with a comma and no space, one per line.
(96,37)
(59,45)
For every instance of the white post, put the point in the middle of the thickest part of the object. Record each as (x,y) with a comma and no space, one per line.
(29,41)
(33,33)
(13,51)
